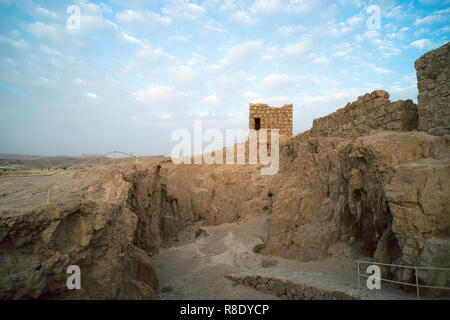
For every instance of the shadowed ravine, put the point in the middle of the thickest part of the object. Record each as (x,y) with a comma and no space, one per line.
(369,181)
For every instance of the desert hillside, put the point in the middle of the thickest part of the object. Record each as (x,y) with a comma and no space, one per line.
(369,181)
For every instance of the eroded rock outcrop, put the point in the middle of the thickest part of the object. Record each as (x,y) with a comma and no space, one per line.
(383,195)
(364,179)
(433,83)
(218,194)
(371,178)
(97,231)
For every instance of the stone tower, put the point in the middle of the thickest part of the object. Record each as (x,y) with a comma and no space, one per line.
(263,116)
(433,83)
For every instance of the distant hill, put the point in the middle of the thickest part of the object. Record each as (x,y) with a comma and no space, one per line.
(18,156)
(40,162)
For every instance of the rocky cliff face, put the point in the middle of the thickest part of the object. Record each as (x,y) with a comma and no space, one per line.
(349,186)
(367,179)
(433,83)
(103,232)
(384,195)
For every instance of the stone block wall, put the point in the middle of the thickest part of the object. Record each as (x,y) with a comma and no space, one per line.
(272,117)
(370,112)
(433,83)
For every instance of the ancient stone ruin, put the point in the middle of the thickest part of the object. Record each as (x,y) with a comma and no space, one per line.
(263,116)
(369,112)
(433,78)
(370,181)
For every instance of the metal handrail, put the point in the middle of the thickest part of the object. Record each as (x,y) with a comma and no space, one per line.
(32,175)
(50,175)
(100,157)
(416,268)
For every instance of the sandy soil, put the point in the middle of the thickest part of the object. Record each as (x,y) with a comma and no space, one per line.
(24,162)
(191,267)
(195,268)
(32,190)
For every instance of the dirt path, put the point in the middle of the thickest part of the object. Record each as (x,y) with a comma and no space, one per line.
(195,267)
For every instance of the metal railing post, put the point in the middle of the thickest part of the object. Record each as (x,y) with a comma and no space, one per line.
(114,159)
(417,282)
(409,283)
(79,179)
(49,188)
(357,273)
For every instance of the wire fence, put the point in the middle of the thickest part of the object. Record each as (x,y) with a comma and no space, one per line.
(97,162)
(416,271)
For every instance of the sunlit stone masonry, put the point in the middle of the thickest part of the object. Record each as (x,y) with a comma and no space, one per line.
(263,116)
(433,83)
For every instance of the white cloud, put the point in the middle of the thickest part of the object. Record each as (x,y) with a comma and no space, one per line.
(277,81)
(196,59)
(143,21)
(203,114)
(91,95)
(155,63)
(276,101)
(302,47)
(79,82)
(177,38)
(238,55)
(105,8)
(267,7)
(148,57)
(429,2)
(212,100)
(371,34)
(92,19)
(237,118)
(355,20)
(243,18)
(46,13)
(19,44)
(288,31)
(183,10)
(48,32)
(375,68)
(420,44)
(343,53)
(131,39)
(436,17)
(184,76)
(321,61)
(331,100)
(250,95)
(161,97)
(301,7)
(89,8)
(165,116)
(49,51)
(381,70)
(409,92)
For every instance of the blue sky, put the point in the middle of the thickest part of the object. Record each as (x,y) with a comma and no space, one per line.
(137,70)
